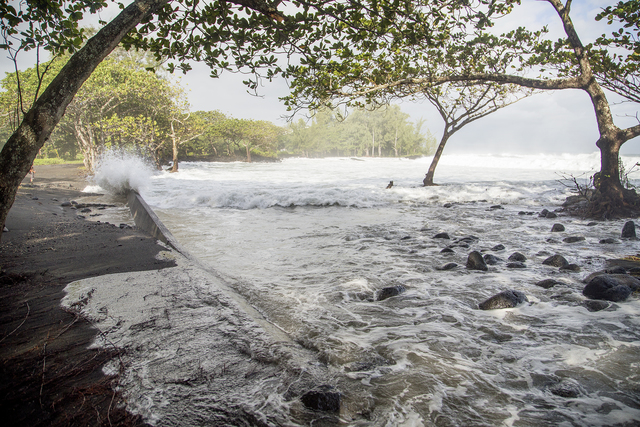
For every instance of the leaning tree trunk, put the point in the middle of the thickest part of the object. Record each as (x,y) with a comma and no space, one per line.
(248,153)
(174,140)
(611,198)
(174,167)
(21,149)
(428,180)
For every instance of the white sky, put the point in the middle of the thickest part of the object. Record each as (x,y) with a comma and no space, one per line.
(549,122)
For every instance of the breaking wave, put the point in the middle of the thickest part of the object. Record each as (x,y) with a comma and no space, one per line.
(119,171)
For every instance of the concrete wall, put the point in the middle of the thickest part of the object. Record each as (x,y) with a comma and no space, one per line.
(147,220)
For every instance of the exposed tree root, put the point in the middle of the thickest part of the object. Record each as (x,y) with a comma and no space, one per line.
(602,207)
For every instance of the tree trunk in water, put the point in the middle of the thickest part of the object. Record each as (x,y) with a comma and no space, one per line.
(21,149)
(248,153)
(428,180)
(611,198)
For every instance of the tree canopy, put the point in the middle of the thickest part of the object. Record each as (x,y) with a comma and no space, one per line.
(361,51)
(399,62)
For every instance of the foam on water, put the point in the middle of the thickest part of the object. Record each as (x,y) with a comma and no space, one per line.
(118,171)
(349,183)
(309,243)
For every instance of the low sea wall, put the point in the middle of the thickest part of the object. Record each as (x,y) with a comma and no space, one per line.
(147,220)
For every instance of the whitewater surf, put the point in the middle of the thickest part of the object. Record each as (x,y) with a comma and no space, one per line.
(310,243)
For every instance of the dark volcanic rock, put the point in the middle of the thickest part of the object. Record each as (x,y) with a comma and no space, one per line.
(543,213)
(606,287)
(468,239)
(608,240)
(629,230)
(571,267)
(552,215)
(616,269)
(442,236)
(569,389)
(573,239)
(505,299)
(598,305)
(494,207)
(548,283)
(517,256)
(490,259)
(557,228)
(476,262)
(624,279)
(325,398)
(516,264)
(390,291)
(499,247)
(556,261)
(447,251)
(448,266)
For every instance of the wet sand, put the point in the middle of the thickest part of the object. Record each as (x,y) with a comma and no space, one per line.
(49,375)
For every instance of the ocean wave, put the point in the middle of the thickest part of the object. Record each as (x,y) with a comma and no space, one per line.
(118,171)
(359,197)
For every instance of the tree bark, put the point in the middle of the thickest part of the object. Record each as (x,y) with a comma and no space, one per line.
(18,153)
(174,141)
(248,153)
(428,180)
(395,143)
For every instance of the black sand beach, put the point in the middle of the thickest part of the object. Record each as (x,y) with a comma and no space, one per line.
(49,375)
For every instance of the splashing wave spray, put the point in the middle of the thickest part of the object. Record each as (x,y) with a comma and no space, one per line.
(118,171)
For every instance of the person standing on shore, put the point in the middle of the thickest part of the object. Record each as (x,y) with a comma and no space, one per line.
(32,172)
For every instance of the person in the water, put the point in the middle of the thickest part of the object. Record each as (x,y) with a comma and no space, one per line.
(390,185)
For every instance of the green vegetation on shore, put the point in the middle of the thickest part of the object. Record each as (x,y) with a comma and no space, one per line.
(124,105)
(55,161)
(332,53)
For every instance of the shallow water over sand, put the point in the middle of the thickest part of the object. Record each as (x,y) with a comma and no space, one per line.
(310,243)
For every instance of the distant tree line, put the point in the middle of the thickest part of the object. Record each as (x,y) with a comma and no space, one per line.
(124,105)
(382,132)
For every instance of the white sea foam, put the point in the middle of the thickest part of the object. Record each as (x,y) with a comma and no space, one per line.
(118,171)
(343,182)
(310,243)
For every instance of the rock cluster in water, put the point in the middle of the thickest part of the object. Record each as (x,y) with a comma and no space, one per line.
(602,288)
(610,287)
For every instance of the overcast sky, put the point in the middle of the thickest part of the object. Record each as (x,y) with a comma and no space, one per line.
(550,122)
